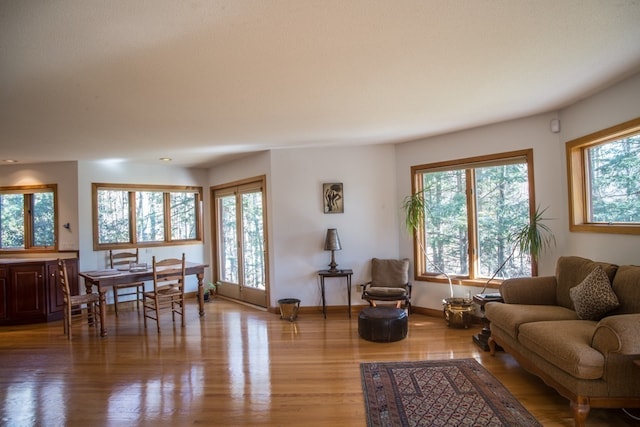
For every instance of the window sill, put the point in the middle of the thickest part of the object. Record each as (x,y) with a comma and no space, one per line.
(480,283)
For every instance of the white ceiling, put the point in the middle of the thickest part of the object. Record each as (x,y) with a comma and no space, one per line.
(201,81)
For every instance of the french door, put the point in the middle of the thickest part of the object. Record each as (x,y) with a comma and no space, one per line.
(240,241)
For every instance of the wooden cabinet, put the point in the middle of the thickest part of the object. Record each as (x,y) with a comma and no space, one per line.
(4,291)
(29,292)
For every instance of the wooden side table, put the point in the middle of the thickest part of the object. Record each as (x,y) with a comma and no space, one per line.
(482,339)
(338,273)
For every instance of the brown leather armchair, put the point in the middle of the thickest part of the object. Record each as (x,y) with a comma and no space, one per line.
(389,282)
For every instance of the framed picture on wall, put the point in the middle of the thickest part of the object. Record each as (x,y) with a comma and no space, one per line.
(333,197)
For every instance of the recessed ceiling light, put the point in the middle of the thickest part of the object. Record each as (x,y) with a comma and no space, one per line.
(165,159)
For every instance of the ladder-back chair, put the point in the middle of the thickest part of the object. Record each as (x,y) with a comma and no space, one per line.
(121,259)
(168,290)
(83,307)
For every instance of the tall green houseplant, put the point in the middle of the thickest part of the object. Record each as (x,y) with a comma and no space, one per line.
(533,237)
(415,208)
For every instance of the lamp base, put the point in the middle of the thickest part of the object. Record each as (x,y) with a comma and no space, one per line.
(333,265)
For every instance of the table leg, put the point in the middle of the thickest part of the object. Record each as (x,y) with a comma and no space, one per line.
(349,294)
(103,305)
(200,276)
(324,307)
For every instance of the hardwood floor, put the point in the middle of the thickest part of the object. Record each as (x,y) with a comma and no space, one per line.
(236,366)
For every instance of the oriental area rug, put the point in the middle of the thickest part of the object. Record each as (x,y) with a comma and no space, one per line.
(458,392)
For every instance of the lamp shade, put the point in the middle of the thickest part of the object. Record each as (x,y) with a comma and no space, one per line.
(332,241)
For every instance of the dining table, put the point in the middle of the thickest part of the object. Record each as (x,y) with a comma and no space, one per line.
(104,280)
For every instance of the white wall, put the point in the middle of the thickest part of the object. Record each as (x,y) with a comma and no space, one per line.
(298,224)
(532,132)
(610,107)
(127,173)
(607,108)
(65,175)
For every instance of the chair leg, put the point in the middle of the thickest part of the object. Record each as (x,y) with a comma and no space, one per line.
(67,322)
(97,325)
(157,315)
(156,309)
(144,310)
(95,318)
(139,293)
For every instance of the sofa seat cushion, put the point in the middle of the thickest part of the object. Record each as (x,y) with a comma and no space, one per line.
(510,317)
(566,344)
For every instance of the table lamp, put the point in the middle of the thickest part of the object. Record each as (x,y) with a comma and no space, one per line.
(332,243)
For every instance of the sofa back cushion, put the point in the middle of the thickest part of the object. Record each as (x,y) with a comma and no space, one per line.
(626,285)
(571,271)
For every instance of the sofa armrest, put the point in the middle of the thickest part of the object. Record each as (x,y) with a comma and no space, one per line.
(529,290)
(618,334)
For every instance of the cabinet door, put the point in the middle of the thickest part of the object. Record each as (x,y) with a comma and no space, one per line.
(27,293)
(4,296)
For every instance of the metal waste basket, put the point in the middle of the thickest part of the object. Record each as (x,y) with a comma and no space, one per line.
(289,308)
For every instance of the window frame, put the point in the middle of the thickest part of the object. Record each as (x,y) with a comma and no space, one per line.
(167,190)
(577,178)
(27,191)
(473,279)
(239,291)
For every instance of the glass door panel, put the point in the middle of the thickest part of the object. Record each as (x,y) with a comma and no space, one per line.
(240,243)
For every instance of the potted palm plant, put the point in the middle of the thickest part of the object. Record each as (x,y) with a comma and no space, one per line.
(457,311)
(532,238)
(415,208)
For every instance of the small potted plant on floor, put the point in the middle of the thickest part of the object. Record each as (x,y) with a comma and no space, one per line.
(210,288)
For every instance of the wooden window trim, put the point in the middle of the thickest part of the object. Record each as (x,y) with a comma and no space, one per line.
(478,161)
(576,167)
(28,189)
(131,189)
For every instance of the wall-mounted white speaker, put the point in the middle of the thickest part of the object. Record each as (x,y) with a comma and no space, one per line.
(555,125)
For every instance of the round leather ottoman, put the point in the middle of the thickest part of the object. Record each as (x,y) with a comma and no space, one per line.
(383,324)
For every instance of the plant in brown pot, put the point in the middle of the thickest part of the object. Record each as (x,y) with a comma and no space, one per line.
(209,289)
(532,238)
(457,311)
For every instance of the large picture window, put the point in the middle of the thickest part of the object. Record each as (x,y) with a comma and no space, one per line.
(28,220)
(604,180)
(472,206)
(139,215)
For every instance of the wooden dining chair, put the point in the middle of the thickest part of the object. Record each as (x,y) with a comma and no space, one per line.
(168,291)
(83,307)
(118,259)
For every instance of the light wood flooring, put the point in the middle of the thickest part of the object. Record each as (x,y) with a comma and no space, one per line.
(237,366)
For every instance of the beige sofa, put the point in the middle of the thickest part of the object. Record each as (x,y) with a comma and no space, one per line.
(589,354)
